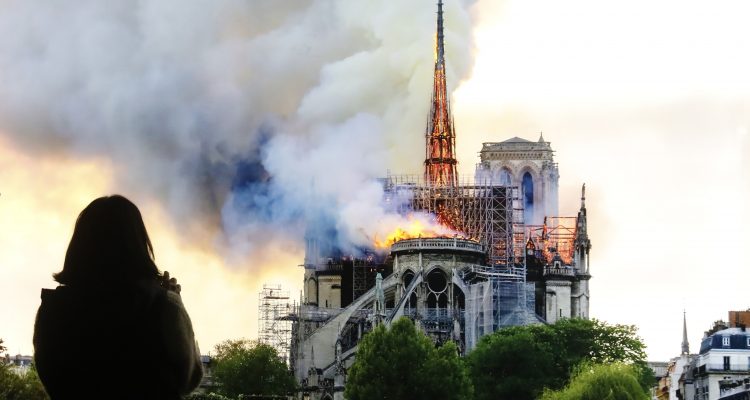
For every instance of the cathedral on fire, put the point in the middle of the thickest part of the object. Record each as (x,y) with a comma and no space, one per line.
(515,262)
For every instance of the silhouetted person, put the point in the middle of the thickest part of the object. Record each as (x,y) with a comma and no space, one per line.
(114,328)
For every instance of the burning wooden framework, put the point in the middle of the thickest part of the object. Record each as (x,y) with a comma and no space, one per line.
(555,238)
(489,214)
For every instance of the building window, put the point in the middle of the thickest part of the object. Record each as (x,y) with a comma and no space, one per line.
(726,363)
(748,341)
(725,341)
(527,187)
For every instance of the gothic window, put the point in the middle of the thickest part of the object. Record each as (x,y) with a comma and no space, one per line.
(411,304)
(527,185)
(443,300)
(436,281)
(437,285)
(459,299)
(408,277)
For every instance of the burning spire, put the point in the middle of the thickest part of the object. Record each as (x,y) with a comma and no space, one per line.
(440,159)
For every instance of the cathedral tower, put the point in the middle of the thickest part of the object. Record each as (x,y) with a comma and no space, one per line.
(529,166)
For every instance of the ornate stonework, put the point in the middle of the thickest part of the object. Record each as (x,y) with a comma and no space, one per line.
(507,163)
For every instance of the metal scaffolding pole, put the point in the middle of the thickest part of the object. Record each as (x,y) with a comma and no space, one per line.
(274,326)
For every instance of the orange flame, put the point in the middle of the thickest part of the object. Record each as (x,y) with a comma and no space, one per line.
(412,229)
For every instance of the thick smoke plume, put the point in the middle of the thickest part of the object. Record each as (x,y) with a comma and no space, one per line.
(248,117)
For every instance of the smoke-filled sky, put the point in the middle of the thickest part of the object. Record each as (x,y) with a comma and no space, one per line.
(232,122)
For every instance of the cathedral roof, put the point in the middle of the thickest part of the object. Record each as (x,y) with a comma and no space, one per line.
(516,139)
(516,144)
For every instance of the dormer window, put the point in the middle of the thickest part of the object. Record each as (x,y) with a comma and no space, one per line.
(725,341)
(748,341)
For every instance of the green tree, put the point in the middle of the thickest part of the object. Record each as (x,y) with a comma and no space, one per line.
(250,368)
(617,381)
(598,342)
(20,386)
(519,362)
(512,365)
(593,341)
(403,363)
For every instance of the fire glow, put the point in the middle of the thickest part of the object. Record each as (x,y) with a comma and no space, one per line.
(415,226)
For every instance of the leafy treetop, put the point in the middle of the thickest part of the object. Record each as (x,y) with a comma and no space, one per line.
(244,367)
(519,362)
(403,363)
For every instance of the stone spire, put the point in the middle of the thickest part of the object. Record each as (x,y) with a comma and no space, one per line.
(582,222)
(583,198)
(582,242)
(379,300)
(685,344)
(440,159)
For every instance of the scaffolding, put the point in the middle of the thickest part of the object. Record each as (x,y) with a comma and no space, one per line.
(498,294)
(364,271)
(555,238)
(489,214)
(274,324)
(496,303)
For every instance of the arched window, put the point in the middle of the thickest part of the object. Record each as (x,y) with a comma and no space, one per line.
(411,304)
(458,298)
(437,285)
(528,189)
(312,291)
(408,277)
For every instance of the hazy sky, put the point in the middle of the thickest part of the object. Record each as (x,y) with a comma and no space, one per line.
(647,102)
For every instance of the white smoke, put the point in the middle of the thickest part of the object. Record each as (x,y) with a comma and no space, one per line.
(243,115)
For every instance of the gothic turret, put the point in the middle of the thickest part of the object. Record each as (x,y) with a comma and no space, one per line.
(440,158)
(582,242)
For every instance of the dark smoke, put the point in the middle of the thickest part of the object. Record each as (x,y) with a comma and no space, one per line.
(246,117)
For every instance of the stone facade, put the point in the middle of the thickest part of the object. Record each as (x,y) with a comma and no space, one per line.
(527,165)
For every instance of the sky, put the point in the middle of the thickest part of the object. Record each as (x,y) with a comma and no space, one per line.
(647,103)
